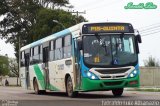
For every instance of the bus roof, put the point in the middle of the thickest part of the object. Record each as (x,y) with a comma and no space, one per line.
(53,36)
(63,32)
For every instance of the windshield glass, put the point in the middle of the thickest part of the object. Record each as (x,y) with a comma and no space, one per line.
(109,50)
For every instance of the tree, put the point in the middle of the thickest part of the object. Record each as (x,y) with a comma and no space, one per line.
(3,5)
(19,16)
(45,26)
(28,20)
(13,66)
(52,4)
(4,69)
(151,62)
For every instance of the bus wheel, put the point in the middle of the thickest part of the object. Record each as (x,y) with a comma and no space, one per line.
(69,88)
(36,88)
(117,92)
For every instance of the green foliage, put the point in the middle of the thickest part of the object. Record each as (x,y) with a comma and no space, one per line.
(3,7)
(52,3)
(19,16)
(151,62)
(4,69)
(45,25)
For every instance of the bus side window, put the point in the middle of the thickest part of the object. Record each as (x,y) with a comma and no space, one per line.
(36,55)
(58,49)
(22,59)
(31,56)
(40,54)
(67,46)
(51,52)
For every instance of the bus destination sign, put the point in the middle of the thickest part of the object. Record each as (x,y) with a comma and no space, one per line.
(107,28)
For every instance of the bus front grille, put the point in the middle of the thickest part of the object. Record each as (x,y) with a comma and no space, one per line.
(111,77)
(112,71)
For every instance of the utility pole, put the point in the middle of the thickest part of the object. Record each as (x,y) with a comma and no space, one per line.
(19,57)
(77,14)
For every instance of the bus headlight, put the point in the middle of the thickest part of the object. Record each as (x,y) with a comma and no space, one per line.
(135,71)
(91,75)
(133,74)
(88,74)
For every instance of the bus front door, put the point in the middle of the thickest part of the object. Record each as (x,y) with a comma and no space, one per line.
(45,68)
(27,70)
(77,63)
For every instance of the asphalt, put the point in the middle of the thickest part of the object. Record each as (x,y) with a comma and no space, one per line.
(16,96)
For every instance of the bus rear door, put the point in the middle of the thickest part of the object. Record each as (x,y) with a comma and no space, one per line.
(46,66)
(27,56)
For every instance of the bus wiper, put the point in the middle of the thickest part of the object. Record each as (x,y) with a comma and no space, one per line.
(98,37)
(103,42)
(100,40)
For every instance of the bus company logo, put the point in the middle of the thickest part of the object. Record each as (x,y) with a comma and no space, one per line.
(148,5)
(113,76)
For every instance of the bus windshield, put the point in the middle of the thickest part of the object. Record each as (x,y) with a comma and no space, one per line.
(109,50)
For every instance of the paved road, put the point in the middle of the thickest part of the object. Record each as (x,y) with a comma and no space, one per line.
(103,98)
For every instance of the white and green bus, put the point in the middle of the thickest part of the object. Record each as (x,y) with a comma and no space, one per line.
(84,57)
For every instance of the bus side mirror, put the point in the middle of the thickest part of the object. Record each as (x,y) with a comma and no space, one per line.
(79,44)
(138,38)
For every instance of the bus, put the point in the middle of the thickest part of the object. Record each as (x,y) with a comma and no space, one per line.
(85,57)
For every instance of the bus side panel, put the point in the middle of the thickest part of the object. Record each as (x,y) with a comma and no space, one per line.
(58,70)
(32,75)
(23,77)
(52,76)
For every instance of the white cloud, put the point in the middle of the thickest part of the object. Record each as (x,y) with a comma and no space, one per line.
(6,49)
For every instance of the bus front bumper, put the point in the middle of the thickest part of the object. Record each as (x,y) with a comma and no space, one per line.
(107,84)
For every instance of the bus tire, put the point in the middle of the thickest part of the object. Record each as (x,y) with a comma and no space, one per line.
(69,88)
(36,87)
(42,91)
(117,92)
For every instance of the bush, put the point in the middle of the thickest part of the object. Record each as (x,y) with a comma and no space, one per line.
(151,62)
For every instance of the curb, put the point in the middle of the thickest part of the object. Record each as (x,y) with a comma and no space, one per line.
(146,89)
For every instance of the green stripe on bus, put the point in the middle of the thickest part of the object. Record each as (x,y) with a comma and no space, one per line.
(53,88)
(40,78)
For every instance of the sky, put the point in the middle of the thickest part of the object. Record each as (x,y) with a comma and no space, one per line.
(113,11)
